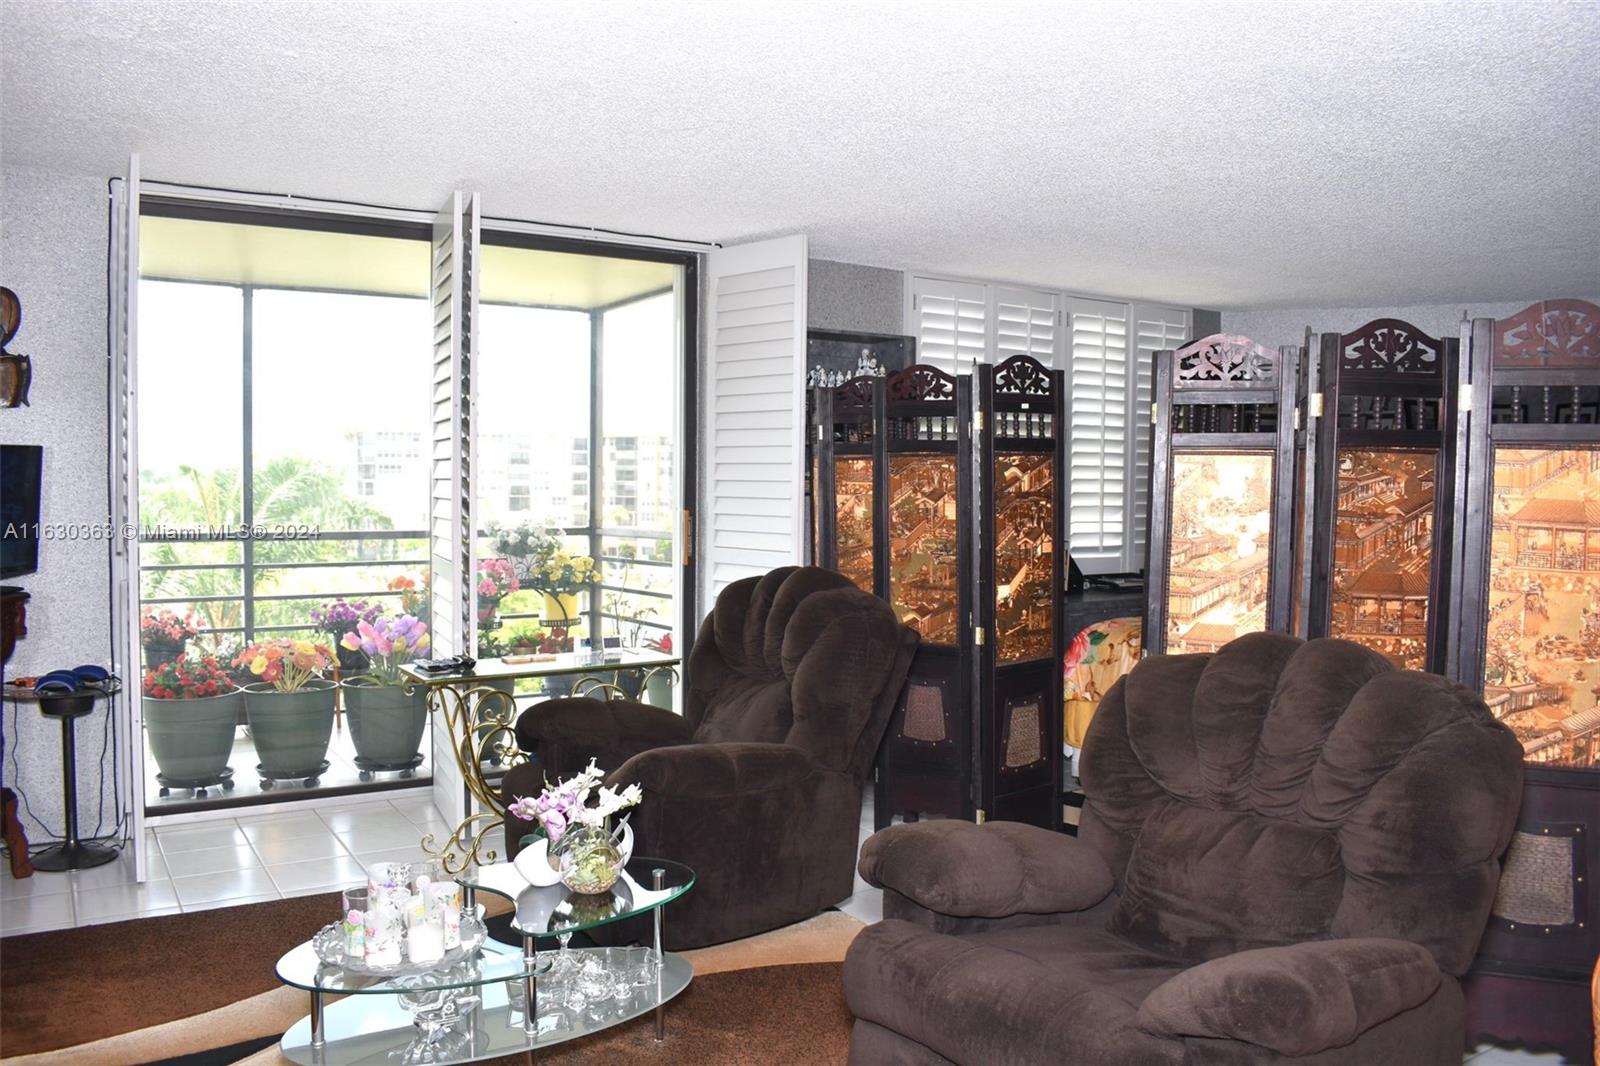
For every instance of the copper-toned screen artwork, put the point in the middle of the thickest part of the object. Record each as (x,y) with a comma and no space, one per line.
(853,519)
(1024,547)
(1383,552)
(1542,662)
(922,544)
(1219,564)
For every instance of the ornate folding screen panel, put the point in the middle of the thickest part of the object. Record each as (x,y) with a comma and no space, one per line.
(924,534)
(1223,489)
(1382,513)
(847,462)
(1021,457)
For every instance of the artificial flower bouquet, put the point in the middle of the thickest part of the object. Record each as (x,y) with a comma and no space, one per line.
(286,664)
(186,679)
(541,561)
(388,644)
(415,600)
(164,630)
(342,616)
(561,806)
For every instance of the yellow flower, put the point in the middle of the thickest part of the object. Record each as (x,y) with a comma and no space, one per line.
(584,563)
(258,665)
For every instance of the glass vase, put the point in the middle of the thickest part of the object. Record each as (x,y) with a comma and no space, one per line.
(589,858)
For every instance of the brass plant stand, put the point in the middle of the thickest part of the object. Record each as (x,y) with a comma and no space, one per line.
(479,712)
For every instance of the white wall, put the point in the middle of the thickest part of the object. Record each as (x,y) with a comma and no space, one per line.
(1275,326)
(53,256)
(849,296)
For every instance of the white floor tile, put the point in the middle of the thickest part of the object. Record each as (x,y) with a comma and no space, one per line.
(865,906)
(231,901)
(212,861)
(197,838)
(275,851)
(125,901)
(34,914)
(381,837)
(154,912)
(418,809)
(232,885)
(345,819)
(117,872)
(39,884)
(283,826)
(1499,1056)
(317,875)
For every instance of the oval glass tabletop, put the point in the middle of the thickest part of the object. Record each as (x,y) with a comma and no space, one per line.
(556,910)
(492,962)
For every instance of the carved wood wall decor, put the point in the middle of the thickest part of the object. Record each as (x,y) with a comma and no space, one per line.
(1550,335)
(1388,345)
(1224,359)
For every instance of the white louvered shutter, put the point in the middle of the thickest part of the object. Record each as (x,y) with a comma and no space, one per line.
(752,518)
(1099,392)
(451,556)
(122,327)
(1157,329)
(950,321)
(1027,322)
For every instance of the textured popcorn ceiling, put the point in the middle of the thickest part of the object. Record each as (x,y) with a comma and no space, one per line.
(1227,155)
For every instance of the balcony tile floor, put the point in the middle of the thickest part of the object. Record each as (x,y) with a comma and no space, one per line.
(223,863)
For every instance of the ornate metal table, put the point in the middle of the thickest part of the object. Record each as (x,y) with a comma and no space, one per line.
(478,707)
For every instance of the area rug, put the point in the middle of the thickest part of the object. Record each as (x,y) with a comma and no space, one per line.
(196,984)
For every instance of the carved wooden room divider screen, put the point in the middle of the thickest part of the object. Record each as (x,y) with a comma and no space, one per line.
(1382,510)
(1528,634)
(1224,485)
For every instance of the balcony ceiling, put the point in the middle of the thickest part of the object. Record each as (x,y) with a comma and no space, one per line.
(1223,154)
(310,259)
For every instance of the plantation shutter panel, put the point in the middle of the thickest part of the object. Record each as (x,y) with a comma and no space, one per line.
(1026,322)
(753,520)
(122,468)
(450,529)
(950,321)
(1100,388)
(1157,329)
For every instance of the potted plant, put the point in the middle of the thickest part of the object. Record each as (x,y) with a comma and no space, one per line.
(339,618)
(290,708)
(388,711)
(544,565)
(497,579)
(164,635)
(191,708)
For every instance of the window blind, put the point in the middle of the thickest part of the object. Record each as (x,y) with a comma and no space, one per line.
(1098,393)
(1026,322)
(950,320)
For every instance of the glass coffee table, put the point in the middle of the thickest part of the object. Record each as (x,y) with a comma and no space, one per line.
(646,886)
(505,999)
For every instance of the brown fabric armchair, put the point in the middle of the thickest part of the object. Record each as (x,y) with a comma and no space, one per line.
(757,787)
(1288,853)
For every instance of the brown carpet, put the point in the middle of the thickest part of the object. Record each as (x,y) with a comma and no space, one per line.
(185,983)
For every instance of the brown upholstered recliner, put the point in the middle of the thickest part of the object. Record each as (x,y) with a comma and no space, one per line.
(1288,853)
(757,787)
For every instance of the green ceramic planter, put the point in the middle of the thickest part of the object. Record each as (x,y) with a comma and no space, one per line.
(192,739)
(291,729)
(386,723)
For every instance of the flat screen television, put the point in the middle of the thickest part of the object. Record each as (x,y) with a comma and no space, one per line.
(20,469)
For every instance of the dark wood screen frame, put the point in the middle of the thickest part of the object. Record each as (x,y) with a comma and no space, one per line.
(1223,373)
(1387,360)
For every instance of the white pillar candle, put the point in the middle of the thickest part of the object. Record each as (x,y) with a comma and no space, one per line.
(425,942)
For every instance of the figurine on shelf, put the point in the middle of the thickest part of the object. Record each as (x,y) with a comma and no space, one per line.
(16,370)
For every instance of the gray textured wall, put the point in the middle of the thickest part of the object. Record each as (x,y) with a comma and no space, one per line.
(53,255)
(1276,326)
(854,297)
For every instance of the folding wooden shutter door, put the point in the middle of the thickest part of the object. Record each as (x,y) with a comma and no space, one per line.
(1097,350)
(950,321)
(752,517)
(451,552)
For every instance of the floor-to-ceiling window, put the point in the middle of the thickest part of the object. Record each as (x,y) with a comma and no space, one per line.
(282,404)
(579,448)
(284,409)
